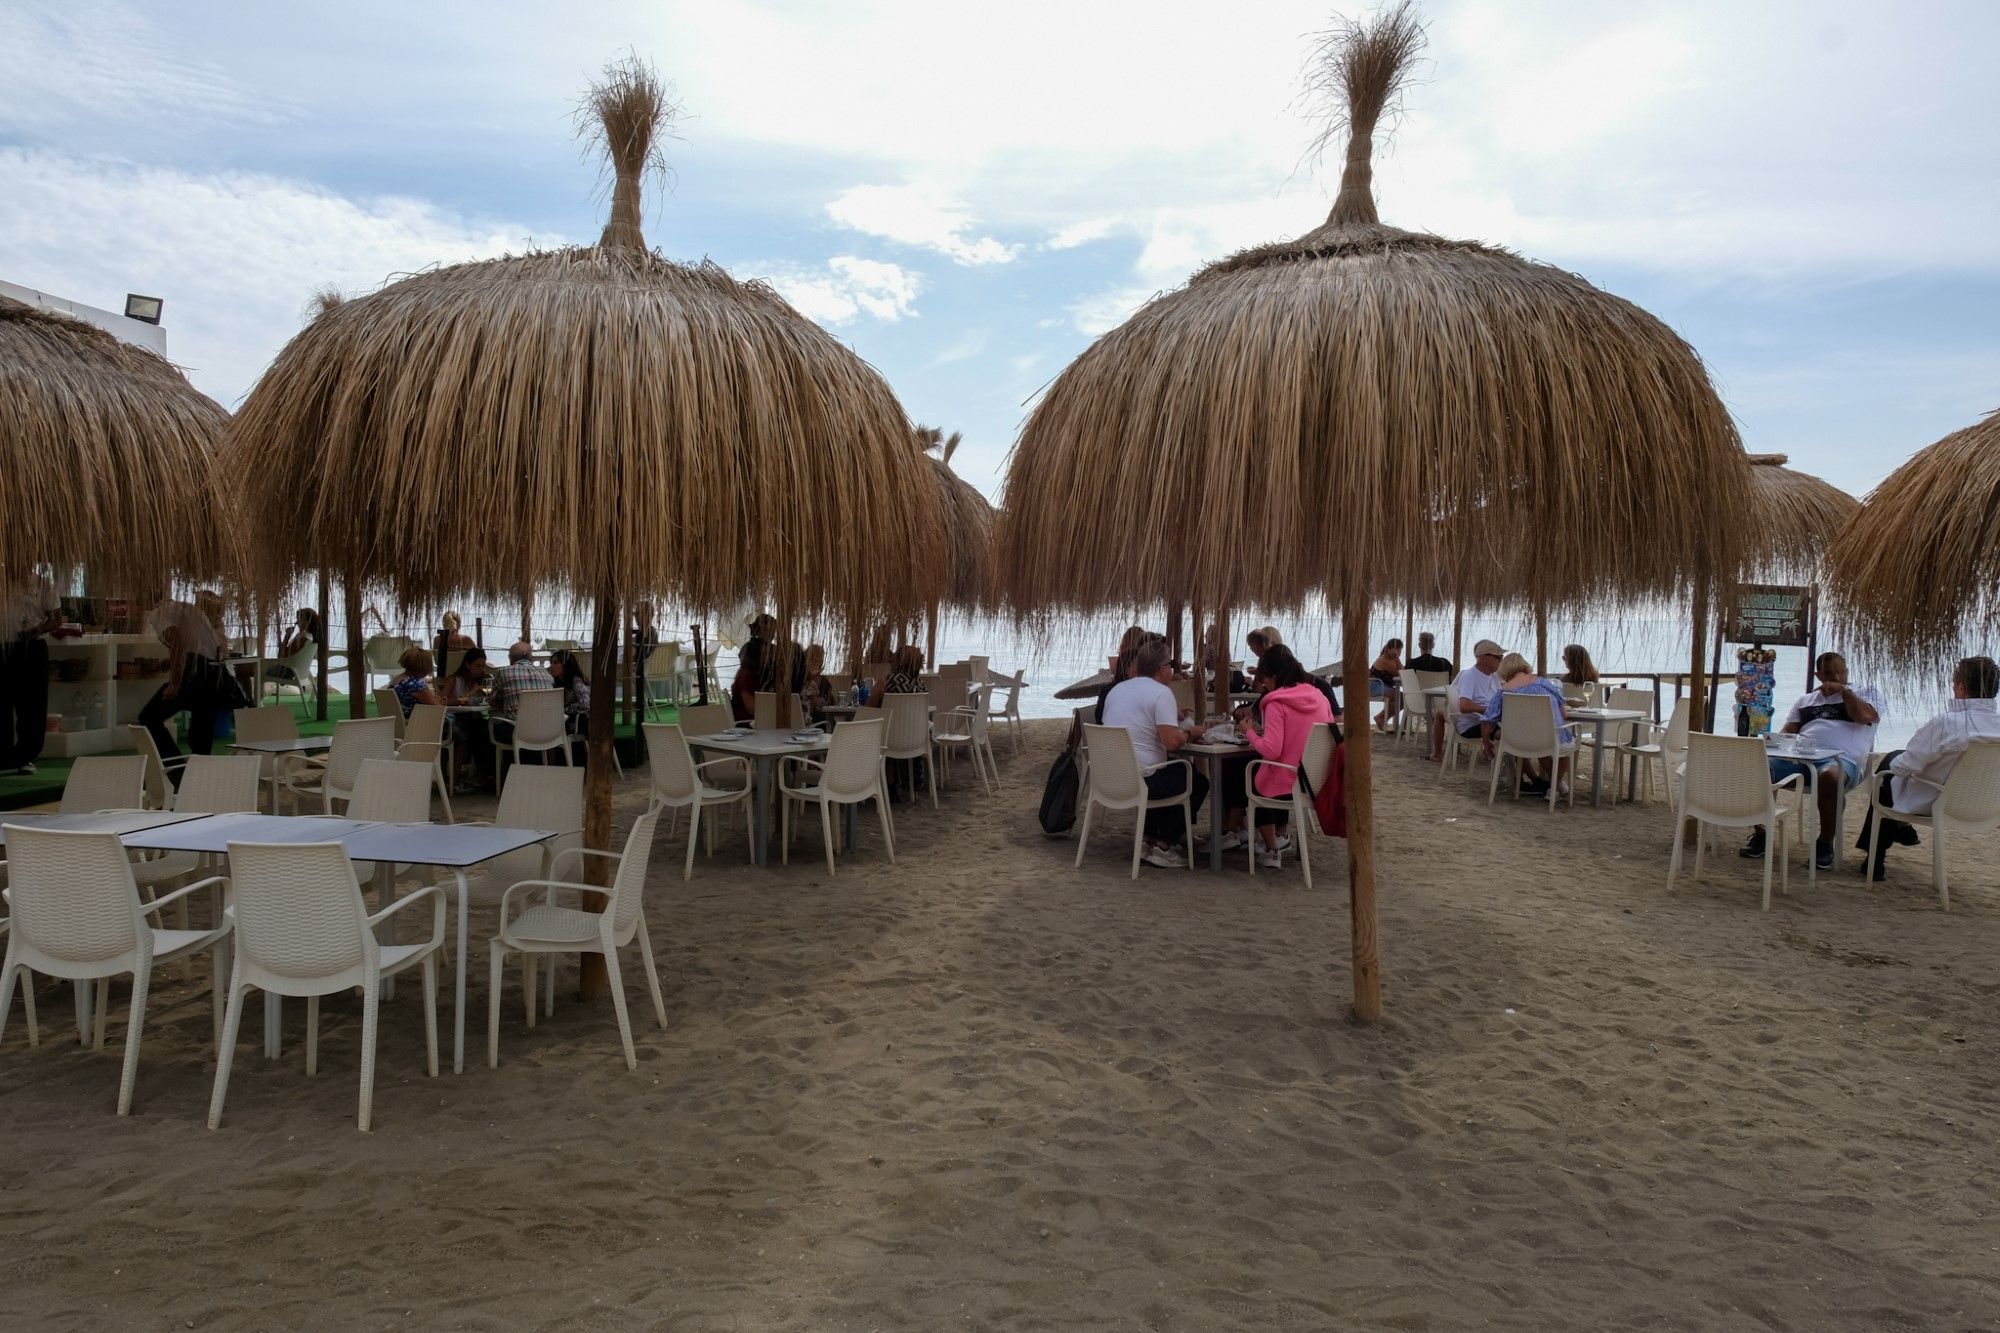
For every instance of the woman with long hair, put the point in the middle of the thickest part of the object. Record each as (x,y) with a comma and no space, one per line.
(1387,669)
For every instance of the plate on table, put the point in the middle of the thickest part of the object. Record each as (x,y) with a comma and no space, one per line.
(809,734)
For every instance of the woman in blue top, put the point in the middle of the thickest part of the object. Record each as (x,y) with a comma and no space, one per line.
(1517,677)
(413,687)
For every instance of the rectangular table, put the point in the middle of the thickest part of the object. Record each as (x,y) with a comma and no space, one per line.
(453,847)
(765,748)
(1214,754)
(1605,718)
(121,822)
(296,745)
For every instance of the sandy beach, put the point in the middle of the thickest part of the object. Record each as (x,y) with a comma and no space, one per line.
(979,1089)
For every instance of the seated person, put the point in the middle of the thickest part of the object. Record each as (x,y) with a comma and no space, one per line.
(1837,716)
(1579,672)
(1914,777)
(1517,677)
(818,692)
(472,749)
(1427,658)
(1385,680)
(906,675)
(413,687)
(1276,727)
(520,675)
(469,683)
(1143,704)
(303,636)
(1475,687)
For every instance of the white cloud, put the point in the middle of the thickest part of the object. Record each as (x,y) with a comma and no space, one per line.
(1108,309)
(846,289)
(237,255)
(1082,233)
(920,215)
(962,348)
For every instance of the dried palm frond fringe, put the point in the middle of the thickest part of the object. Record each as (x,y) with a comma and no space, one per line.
(108,459)
(1793,518)
(967,517)
(1915,573)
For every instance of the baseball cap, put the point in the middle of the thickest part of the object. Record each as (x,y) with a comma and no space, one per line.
(1485,646)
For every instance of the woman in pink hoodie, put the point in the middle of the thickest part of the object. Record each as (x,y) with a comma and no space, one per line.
(1277,730)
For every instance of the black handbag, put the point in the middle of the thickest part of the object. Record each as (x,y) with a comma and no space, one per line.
(1058,811)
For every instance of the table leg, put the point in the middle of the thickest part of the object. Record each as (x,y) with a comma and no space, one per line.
(850,823)
(1812,803)
(1597,765)
(86,994)
(1214,814)
(458,986)
(273,1017)
(760,814)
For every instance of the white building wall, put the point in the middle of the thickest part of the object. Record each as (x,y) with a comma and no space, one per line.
(150,336)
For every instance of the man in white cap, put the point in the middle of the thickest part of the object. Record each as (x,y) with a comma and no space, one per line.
(1477,685)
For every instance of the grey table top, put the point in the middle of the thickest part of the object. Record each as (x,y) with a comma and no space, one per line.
(121,822)
(289,745)
(759,743)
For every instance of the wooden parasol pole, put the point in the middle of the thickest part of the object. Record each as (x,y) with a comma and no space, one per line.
(325,649)
(1457,635)
(1174,617)
(527,618)
(357,661)
(930,638)
(592,981)
(1697,682)
(1409,628)
(1221,689)
(1360,792)
(1541,638)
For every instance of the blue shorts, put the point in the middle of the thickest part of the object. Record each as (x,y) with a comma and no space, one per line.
(1850,772)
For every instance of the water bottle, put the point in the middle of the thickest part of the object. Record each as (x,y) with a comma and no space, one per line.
(94,716)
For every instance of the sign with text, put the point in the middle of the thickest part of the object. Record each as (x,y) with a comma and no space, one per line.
(1766,613)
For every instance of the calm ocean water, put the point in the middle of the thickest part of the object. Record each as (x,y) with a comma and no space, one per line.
(1643,642)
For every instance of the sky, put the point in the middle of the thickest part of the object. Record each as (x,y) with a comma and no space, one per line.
(967,195)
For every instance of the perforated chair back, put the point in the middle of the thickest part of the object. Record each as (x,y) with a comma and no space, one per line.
(628,888)
(1184,696)
(354,743)
(1114,764)
(1318,758)
(391,792)
(299,915)
(672,764)
(425,725)
(75,906)
(266,724)
(538,720)
(765,715)
(389,706)
(1971,797)
(214,784)
(705,719)
(105,782)
(538,796)
(1728,780)
(854,760)
(1528,723)
(909,725)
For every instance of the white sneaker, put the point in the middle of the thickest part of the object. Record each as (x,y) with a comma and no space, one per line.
(1165,857)
(1284,842)
(1562,791)
(1232,840)
(1271,860)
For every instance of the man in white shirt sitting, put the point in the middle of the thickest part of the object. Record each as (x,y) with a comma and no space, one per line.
(1143,704)
(1913,778)
(1838,716)
(1477,686)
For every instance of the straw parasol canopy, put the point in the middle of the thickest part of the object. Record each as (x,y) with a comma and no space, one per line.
(1314,414)
(1793,518)
(1916,572)
(596,417)
(968,520)
(108,458)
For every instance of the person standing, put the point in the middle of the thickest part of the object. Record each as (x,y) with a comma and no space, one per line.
(194,674)
(1838,716)
(29,613)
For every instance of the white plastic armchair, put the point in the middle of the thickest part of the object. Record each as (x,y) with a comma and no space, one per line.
(389,706)
(707,720)
(1728,785)
(538,727)
(77,915)
(679,783)
(1662,749)
(161,773)
(961,729)
(354,743)
(1007,708)
(301,665)
(423,743)
(1296,803)
(1970,803)
(908,736)
(303,930)
(1116,783)
(210,785)
(1458,742)
(274,724)
(1528,731)
(104,782)
(850,775)
(550,928)
(27,996)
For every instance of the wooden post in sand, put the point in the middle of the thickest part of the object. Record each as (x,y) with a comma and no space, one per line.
(1457,635)
(1409,628)
(357,660)
(325,649)
(593,982)
(1541,638)
(930,638)
(1174,616)
(1221,687)
(1360,791)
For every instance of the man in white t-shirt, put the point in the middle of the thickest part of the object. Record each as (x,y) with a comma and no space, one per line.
(1477,686)
(190,634)
(1838,716)
(1144,705)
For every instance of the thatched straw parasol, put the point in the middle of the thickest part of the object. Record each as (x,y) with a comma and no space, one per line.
(1794,517)
(597,417)
(1916,572)
(967,517)
(107,459)
(1314,414)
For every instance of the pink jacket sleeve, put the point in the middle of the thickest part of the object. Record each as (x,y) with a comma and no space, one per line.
(1271,743)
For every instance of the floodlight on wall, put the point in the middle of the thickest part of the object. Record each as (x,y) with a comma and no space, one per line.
(145,309)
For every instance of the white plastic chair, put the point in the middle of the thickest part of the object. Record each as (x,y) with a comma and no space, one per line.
(211,784)
(270,724)
(1008,709)
(301,664)
(354,742)
(1116,783)
(423,743)
(1528,731)
(1663,748)
(850,774)
(104,782)
(27,996)
(1313,767)
(1412,716)
(536,796)
(661,673)
(1425,706)
(303,930)
(679,783)
(77,915)
(1969,803)
(764,714)
(538,728)
(908,736)
(1728,784)
(1458,742)
(389,706)
(382,655)
(160,772)
(963,729)
(549,928)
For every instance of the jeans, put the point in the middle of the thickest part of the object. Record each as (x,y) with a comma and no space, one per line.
(198,697)
(24,701)
(1895,833)
(1166,825)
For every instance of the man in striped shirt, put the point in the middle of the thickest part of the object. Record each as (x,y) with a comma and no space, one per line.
(1913,778)
(509,682)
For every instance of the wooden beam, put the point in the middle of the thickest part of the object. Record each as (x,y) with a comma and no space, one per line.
(1360,792)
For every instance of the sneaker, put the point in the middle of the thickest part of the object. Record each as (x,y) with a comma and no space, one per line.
(1165,857)
(1232,841)
(1284,842)
(1823,853)
(1271,861)
(1562,791)
(25,771)
(1753,850)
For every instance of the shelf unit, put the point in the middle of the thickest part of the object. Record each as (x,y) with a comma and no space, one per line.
(122,698)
